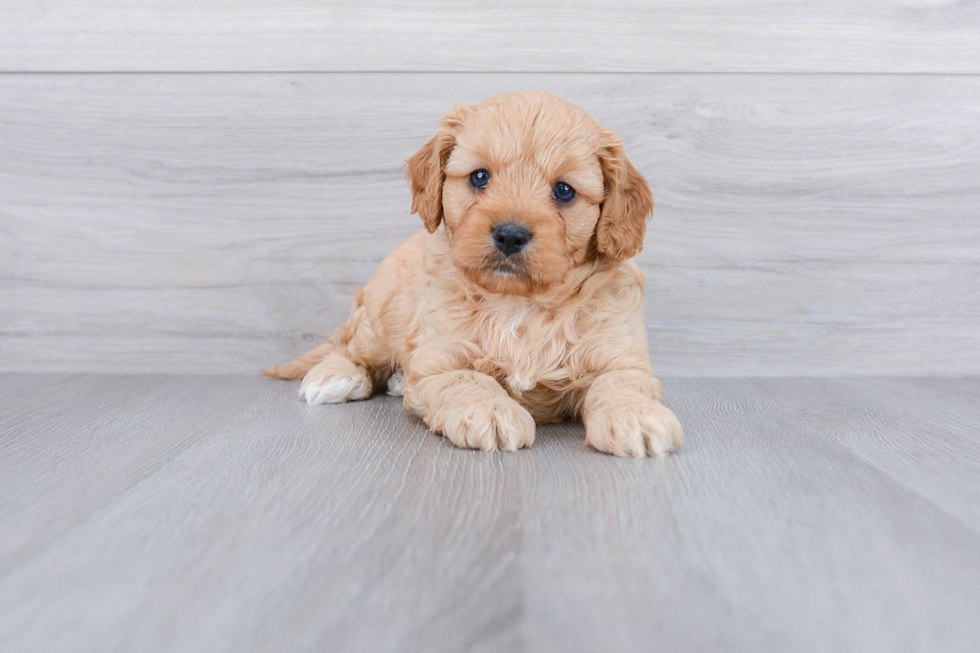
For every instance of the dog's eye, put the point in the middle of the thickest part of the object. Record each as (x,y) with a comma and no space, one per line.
(563,192)
(479,178)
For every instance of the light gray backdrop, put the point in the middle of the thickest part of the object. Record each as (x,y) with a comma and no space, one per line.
(200,187)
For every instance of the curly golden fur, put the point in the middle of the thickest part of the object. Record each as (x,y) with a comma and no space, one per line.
(484,344)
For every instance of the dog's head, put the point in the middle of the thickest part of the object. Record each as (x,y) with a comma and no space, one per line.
(528,186)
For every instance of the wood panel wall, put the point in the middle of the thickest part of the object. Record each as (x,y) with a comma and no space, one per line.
(200,187)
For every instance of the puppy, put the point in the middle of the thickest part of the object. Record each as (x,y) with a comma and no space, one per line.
(520,303)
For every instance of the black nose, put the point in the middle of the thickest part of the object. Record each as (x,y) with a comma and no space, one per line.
(510,238)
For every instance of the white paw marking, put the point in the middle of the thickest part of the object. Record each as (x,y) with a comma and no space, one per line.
(334,390)
(396,382)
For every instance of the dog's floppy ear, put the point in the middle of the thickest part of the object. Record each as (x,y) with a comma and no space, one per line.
(425,169)
(626,207)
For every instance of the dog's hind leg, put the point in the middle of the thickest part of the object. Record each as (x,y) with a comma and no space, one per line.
(334,380)
(350,371)
(337,343)
(346,367)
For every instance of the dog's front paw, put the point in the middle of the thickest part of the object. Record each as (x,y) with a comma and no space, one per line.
(489,424)
(634,426)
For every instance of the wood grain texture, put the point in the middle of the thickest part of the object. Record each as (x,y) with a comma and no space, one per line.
(621,36)
(805,225)
(221,514)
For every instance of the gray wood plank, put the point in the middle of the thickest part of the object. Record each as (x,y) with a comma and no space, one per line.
(938,453)
(610,36)
(813,225)
(764,534)
(291,523)
(99,437)
(280,526)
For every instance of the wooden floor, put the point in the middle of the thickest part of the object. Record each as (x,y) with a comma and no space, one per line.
(205,513)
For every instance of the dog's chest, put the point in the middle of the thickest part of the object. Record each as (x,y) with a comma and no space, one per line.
(525,348)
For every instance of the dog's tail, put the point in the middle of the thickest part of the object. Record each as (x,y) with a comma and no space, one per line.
(298,368)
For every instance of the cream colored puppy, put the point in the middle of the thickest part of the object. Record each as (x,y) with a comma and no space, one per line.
(521,303)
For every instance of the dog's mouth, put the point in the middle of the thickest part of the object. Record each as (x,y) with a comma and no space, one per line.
(506,268)
(494,272)
(500,275)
